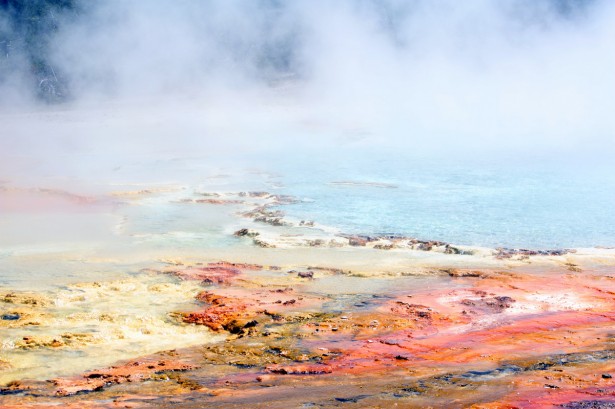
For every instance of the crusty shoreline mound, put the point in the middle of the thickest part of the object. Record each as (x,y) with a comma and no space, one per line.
(524,337)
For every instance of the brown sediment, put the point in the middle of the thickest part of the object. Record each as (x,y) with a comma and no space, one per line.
(64,340)
(23,298)
(23,309)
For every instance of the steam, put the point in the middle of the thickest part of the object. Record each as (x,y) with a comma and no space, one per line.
(217,76)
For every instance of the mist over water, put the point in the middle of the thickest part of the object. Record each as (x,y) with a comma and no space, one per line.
(435,93)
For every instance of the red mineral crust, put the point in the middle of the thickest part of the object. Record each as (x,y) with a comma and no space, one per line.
(488,339)
(502,317)
(299,369)
(222,312)
(215,273)
(210,275)
(133,371)
(237,310)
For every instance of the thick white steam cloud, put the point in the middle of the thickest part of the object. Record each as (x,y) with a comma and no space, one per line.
(479,75)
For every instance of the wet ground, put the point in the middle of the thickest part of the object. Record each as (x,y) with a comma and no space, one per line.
(462,338)
(299,315)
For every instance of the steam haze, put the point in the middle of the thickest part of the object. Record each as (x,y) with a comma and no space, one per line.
(159,77)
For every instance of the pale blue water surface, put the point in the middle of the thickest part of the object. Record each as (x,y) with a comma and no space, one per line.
(527,203)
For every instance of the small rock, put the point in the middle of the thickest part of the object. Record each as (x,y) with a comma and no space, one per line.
(352,399)
(357,241)
(306,274)
(448,249)
(246,232)
(263,244)
(384,246)
(251,324)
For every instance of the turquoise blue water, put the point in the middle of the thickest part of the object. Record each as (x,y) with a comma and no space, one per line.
(517,201)
(522,203)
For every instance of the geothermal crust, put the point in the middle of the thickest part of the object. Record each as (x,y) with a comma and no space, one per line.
(306,316)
